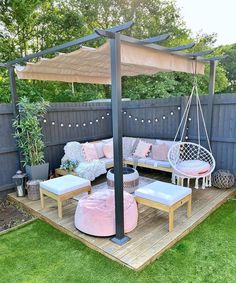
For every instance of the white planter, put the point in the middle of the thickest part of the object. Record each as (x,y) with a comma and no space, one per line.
(130,179)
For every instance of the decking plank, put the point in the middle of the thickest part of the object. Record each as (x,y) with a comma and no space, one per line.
(151,237)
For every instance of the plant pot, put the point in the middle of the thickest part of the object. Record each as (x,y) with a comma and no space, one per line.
(37,172)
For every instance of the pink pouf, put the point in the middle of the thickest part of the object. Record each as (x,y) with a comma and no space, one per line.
(95,213)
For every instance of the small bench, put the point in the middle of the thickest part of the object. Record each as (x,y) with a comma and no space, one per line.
(166,197)
(63,188)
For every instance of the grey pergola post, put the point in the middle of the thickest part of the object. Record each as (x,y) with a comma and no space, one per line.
(120,237)
(211,97)
(11,71)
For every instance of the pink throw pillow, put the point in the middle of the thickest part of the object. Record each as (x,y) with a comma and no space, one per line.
(90,152)
(142,149)
(108,150)
(160,152)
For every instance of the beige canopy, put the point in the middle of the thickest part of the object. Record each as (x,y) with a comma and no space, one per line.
(92,65)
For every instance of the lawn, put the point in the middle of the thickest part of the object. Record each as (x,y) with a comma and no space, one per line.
(39,253)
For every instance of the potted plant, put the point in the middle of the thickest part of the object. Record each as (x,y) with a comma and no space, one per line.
(29,137)
(69,165)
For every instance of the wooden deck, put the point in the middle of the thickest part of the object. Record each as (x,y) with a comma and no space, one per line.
(151,237)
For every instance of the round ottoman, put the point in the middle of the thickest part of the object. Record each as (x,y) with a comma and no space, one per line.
(95,213)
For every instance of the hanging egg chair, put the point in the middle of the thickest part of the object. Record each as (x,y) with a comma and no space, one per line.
(191,160)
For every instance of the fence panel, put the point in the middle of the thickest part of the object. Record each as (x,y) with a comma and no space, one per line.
(156,118)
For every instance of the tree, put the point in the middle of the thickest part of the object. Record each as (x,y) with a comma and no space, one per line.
(230,66)
(31,25)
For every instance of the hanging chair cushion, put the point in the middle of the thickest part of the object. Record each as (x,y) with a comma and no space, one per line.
(193,167)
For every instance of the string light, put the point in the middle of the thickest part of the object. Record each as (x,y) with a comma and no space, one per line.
(189,119)
(70,125)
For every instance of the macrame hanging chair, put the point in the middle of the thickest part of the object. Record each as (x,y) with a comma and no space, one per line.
(191,160)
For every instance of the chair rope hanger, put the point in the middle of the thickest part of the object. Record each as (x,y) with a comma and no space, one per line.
(191,160)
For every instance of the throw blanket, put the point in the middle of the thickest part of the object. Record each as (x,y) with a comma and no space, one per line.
(90,169)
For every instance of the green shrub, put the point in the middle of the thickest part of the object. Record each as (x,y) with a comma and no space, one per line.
(28,131)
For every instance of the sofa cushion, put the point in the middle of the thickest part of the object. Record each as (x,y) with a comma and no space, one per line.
(163,193)
(107,140)
(108,150)
(157,163)
(128,146)
(168,143)
(142,149)
(107,161)
(99,149)
(64,184)
(90,152)
(159,152)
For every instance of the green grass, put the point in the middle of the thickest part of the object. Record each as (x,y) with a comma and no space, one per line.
(39,253)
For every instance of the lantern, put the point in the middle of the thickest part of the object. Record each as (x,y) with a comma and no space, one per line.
(19,180)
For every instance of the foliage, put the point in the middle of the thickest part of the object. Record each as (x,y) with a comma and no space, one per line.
(32,25)
(69,165)
(28,132)
(40,253)
(229,64)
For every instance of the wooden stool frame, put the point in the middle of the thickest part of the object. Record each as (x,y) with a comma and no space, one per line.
(61,198)
(170,209)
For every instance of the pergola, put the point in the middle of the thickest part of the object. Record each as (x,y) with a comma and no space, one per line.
(120,56)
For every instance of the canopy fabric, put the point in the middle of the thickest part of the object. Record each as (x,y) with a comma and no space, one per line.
(92,65)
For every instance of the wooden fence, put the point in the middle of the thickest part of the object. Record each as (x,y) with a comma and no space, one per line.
(157,118)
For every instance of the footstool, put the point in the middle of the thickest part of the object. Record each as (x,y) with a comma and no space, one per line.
(95,213)
(63,188)
(166,197)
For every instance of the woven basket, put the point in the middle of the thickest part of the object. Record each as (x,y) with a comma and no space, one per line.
(223,179)
(33,189)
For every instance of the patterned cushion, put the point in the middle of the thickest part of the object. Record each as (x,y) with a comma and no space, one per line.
(142,149)
(90,152)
